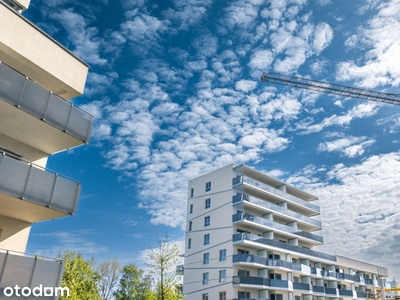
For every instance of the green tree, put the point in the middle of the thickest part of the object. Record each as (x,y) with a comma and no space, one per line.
(162,263)
(134,285)
(110,273)
(79,276)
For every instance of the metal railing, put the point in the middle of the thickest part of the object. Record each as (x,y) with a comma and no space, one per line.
(258,220)
(260,281)
(285,196)
(275,208)
(301,286)
(35,100)
(27,181)
(271,242)
(27,270)
(250,258)
(345,292)
(318,289)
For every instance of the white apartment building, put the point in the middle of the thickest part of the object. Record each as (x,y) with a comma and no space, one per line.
(37,78)
(250,236)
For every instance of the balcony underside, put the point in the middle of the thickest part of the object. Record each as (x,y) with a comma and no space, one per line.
(34,132)
(32,52)
(27,211)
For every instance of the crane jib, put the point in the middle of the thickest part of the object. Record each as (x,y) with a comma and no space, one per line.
(329,88)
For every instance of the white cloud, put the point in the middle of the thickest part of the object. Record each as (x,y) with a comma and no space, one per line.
(87,43)
(391,123)
(350,146)
(245,85)
(363,110)
(323,35)
(359,208)
(380,37)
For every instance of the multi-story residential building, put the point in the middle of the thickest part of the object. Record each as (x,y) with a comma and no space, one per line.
(250,236)
(37,77)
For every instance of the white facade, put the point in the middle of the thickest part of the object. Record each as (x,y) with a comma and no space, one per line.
(250,236)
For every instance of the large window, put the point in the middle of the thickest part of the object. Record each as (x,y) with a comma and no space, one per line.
(208,203)
(208,186)
(222,255)
(206,258)
(205,278)
(207,221)
(222,295)
(206,239)
(222,275)
(205,296)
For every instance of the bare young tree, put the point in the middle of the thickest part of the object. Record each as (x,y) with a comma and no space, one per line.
(110,273)
(162,262)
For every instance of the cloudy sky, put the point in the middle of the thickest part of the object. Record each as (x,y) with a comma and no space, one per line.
(174,87)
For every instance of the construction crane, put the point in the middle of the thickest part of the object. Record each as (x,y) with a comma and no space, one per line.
(330,88)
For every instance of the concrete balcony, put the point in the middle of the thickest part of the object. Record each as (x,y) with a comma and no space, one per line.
(33,194)
(29,271)
(34,116)
(32,52)
(261,243)
(264,224)
(281,213)
(258,189)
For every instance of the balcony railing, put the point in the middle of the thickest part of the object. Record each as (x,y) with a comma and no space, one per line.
(24,180)
(29,271)
(258,220)
(318,289)
(301,286)
(275,208)
(278,244)
(33,99)
(330,291)
(260,281)
(369,281)
(250,258)
(274,191)
(345,292)
(363,295)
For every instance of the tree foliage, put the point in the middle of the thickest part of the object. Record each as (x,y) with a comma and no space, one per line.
(162,263)
(79,276)
(109,275)
(134,285)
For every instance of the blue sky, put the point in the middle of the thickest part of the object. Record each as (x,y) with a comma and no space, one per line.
(174,87)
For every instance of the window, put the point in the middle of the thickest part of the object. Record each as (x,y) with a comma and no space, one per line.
(189,243)
(222,275)
(190,225)
(205,279)
(191,192)
(191,209)
(206,258)
(275,276)
(207,221)
(222,295)
(241,251)
(205,296)
(243,295)
(222,255)
(276,296)
(208,203)
(208,186)
(206,239)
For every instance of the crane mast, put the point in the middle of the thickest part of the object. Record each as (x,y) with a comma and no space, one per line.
(330,88)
